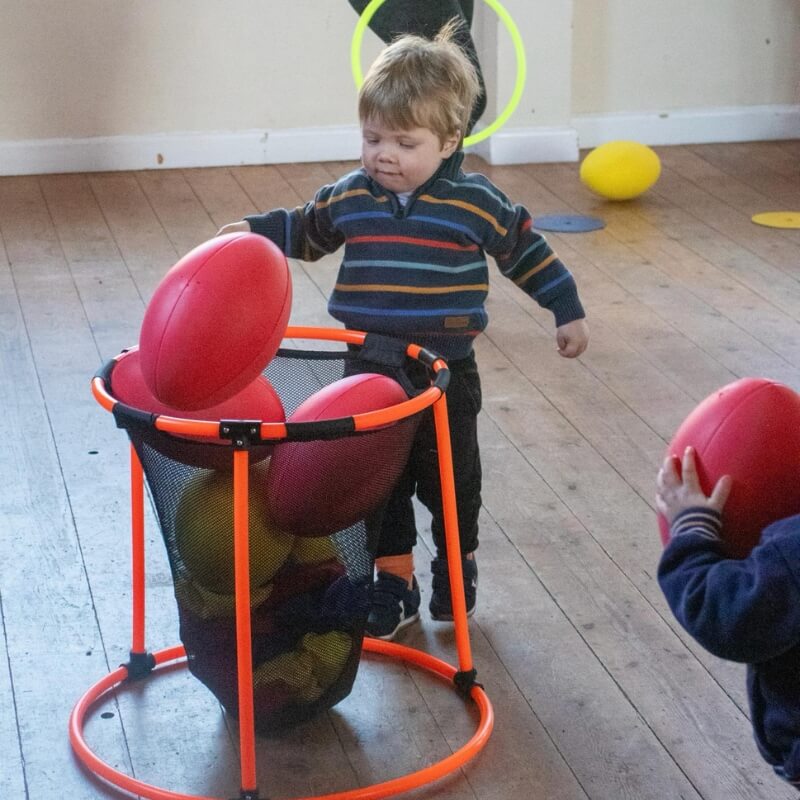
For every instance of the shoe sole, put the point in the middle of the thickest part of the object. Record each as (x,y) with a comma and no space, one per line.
(402,624)
(449,617)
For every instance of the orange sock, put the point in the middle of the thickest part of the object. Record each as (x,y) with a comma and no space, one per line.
(402,566)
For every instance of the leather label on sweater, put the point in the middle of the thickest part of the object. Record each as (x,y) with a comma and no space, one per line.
(456,322)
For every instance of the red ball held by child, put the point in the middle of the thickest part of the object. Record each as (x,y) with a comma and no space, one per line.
(750,430)
(215,321)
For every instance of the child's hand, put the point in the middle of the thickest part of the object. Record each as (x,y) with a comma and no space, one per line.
(572,338)
(234,227)
(676,493)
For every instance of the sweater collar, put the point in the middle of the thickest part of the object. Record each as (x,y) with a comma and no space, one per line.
(448,169)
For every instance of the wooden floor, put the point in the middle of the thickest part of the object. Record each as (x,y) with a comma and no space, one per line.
(597,692)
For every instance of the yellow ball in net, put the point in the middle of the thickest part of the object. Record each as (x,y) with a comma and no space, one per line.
(204,532)
(620,170)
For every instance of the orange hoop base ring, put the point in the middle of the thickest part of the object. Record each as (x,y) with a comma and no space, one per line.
(388,788)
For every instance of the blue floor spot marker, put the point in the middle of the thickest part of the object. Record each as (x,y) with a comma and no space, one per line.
(568,223)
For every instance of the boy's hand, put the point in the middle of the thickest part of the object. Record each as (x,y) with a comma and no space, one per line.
(572,338)
(676,493)
(234,227)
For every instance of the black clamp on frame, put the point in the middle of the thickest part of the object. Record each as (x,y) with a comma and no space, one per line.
(442,378)
(140,666)
(464,681)
(242,432)
(249,794)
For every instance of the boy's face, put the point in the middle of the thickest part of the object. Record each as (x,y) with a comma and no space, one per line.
(402,160)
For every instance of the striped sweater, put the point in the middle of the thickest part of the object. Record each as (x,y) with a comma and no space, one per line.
(418,271)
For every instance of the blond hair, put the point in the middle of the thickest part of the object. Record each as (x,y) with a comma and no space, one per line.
(422,83)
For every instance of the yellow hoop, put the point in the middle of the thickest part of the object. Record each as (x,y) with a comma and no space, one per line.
(519,48)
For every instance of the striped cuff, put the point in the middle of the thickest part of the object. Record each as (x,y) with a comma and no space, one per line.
(700,520)
(565,305)
(271,225)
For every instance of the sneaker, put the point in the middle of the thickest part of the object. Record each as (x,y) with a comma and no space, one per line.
(394,606)
(441,604)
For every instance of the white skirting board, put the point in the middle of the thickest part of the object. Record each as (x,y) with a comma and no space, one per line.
(688,126)
(179,150)
(341,143)
(529,146)
(691,126)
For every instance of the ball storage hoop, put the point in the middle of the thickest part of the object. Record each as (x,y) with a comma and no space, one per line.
(144,664)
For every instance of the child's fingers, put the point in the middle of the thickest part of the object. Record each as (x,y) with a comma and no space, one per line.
(689,469)
(569,351)
(720,492)
(668,474)
(562,343)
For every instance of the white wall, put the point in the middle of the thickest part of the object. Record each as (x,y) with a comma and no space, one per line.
(686,71)
(112,67)
(677,54)
(105,84)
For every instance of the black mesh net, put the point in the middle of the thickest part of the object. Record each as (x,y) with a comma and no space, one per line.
(315,503)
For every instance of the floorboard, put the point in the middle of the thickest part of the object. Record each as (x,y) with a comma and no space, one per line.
(597,691)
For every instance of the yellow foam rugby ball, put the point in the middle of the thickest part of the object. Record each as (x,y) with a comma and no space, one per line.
(620,170)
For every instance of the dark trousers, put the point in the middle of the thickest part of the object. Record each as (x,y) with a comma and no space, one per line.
(398,530)
(426,18)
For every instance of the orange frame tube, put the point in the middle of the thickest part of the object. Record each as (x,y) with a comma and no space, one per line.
(431,397)
(451,533)
(137,555)
(277,430)
(244,654)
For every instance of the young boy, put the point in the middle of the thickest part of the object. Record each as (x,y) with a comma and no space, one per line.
(415,231)
(744,610)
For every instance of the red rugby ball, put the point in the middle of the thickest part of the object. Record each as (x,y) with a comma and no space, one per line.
(750,430)
(215,321)
(319,487)
(257,401)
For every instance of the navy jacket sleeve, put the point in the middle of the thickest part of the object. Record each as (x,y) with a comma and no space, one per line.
(744,610)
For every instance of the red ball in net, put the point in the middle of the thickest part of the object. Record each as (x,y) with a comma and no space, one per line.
(257,401)
(750,430)
(215,321)
(319,487)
